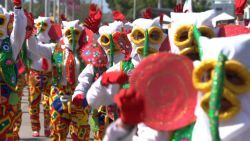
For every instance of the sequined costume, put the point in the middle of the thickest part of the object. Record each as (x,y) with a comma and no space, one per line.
(10,46)
(93,55)
(102,95)
(65,69)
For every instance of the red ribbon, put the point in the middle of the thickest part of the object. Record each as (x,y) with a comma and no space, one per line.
(70,68)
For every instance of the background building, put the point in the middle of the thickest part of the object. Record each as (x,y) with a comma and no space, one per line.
(226,6)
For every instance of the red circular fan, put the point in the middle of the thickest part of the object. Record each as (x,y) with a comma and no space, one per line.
(165,82)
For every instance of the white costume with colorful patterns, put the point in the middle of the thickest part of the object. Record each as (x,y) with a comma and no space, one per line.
(101,95)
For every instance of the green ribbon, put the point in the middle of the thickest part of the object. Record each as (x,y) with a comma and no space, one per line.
(197,36)
(184,134)
(73,40)
(57,60)
(111,62)
(146,44)
(40,29)
(112,47)
(215,98)
(24,56)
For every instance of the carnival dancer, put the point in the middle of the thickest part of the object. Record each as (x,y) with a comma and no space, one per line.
(22,65)
(116,47)
(119,46)
(40,74)
(181,37)
(10,45)
(66,67)
(232,122)
(233,114)
(103,115)
(43,25)
(144,31)
(96,59)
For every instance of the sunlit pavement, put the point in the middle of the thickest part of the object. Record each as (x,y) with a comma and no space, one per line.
(26,132)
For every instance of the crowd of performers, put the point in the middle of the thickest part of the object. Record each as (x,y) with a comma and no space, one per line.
(126,81)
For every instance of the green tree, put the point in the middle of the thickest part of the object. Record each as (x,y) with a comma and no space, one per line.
(126,6)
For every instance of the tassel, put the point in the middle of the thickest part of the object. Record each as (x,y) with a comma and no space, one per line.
(21,67)
(70,68)
(73,40)
(161,19)
(45,64)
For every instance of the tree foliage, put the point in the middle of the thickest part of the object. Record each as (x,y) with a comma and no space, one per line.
(126,6)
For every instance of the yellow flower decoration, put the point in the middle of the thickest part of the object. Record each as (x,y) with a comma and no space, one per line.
(183,36)
(3,20)
(1,34)
(191,52)
(137,36)
(68,34)
(230,105)
(104,40)
(42,25)
(202,75)
(155,35)
(237,77)
(206,31)
(151,50)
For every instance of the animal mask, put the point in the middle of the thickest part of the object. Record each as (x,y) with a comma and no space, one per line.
(146,36)
(43,25)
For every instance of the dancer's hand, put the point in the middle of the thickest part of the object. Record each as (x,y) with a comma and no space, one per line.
(131,106)
(17,3)
(80,100)
(116,77)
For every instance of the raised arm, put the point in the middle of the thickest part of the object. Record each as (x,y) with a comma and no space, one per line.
(19,30)
(40,49)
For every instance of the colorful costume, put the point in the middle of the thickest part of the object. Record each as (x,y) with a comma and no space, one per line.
(113,38)
(22,65)
(233,119)
(40,74)
(10,46)
(103,95)
(181,35)
(66,68)
(234,113)
(96,58)
(183,41)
